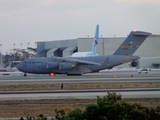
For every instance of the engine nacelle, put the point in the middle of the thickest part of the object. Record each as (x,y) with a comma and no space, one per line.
(134,64)
(52,65)
(66,66)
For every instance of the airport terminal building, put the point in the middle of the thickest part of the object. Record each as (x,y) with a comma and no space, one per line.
(106,46)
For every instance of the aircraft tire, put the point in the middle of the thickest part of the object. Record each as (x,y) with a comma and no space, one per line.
(25,75)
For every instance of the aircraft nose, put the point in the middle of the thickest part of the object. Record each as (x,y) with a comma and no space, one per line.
(19,67)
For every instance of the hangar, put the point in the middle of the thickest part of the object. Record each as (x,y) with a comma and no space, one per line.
(56,48)
(107,45)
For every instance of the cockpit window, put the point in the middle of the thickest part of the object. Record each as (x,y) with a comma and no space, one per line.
(24,61)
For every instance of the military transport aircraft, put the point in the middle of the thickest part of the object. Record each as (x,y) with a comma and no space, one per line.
(93,52)
(82,65)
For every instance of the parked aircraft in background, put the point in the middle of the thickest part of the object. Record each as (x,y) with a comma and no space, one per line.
(82,65)
(93,52)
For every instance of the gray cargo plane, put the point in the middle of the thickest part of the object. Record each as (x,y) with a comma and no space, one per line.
(83,65)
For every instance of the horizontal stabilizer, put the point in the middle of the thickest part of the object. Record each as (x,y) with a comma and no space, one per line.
(141,33)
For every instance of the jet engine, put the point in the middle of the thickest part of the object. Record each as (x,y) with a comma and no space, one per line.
(66,65)
(134,64)
(52,65)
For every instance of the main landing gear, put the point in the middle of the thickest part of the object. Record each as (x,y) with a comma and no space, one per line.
(25,74)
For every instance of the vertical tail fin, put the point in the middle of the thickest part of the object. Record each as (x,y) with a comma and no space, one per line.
(132,43)
(96,39)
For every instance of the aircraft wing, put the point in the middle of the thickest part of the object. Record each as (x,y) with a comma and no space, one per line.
(77,61)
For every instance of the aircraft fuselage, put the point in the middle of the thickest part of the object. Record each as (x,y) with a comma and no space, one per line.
(52,65)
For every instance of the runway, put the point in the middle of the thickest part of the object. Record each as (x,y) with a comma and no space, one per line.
(103,77)
(79,94)
(81,80)
(111,77)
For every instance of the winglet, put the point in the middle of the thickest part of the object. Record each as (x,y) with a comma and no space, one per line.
(96,39)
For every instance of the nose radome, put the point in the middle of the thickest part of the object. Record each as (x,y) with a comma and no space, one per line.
(19,67)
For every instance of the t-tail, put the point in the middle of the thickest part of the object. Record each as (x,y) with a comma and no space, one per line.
(132,43)
(96,39)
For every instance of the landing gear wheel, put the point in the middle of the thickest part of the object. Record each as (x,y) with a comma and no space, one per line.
(25,74)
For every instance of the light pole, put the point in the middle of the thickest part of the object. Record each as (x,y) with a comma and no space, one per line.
(21,46)
(14,46)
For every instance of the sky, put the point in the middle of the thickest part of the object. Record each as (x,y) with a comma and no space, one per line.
(30,21)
